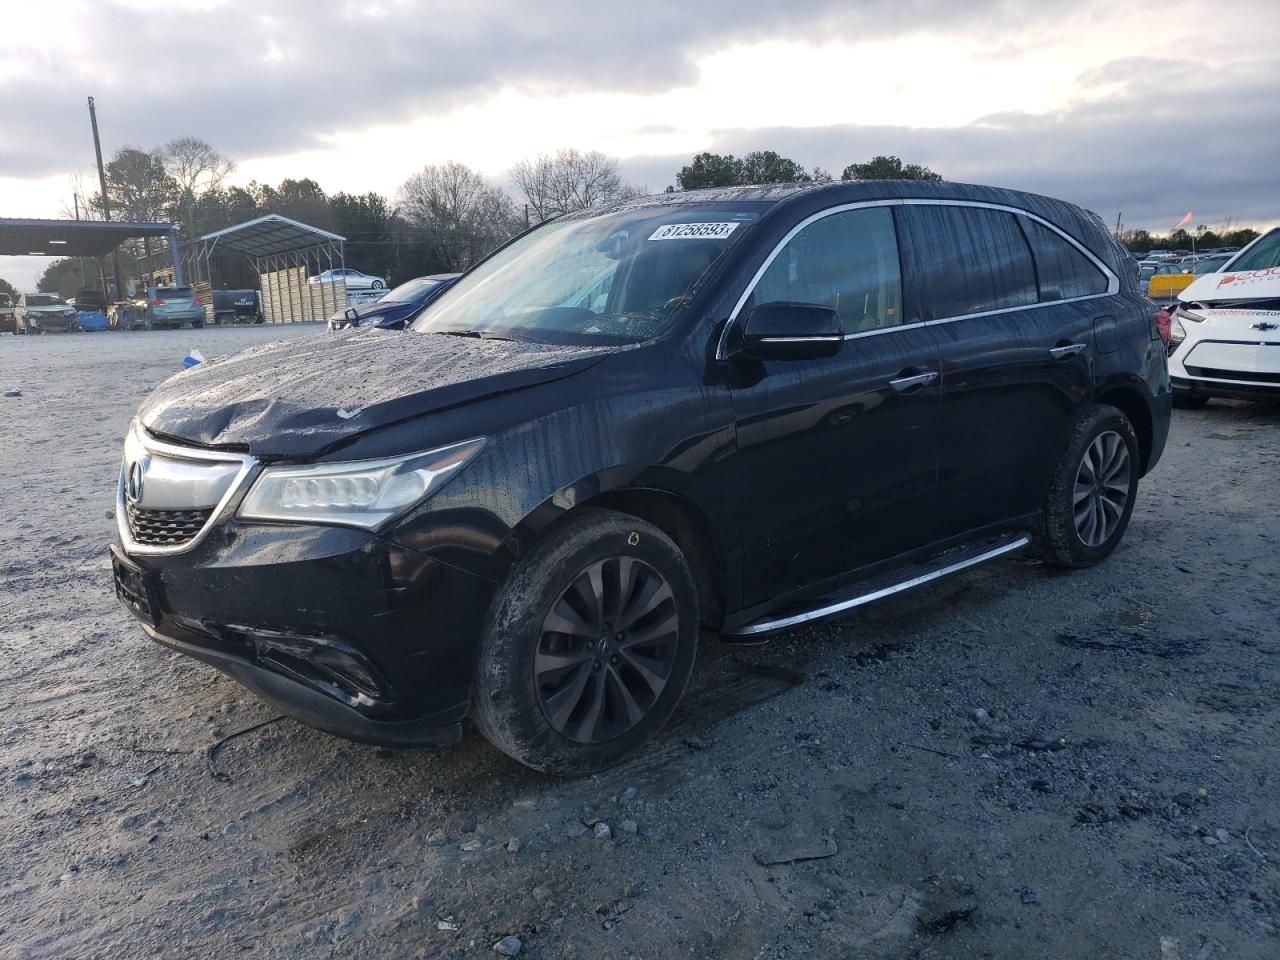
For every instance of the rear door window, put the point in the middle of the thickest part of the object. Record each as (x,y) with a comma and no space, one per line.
(969,260)
(847,261)
(1064,272)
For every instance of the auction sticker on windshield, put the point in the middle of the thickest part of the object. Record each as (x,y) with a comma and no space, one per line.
(694,231)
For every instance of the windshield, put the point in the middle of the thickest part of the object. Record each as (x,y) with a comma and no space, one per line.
(411,292)
(1146,273)
(43,301)
(1209,265)
(1263,255)
(610,278)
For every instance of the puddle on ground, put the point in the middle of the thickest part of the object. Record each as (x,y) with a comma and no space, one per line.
(1137,618)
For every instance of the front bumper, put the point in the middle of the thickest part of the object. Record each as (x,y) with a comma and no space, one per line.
(340,629)
(1228,366)
(1230,389)
(53,324)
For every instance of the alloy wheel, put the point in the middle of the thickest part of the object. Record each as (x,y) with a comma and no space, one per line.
(1101,489)
(607,648)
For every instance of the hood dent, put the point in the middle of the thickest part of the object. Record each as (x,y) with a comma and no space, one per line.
(302,398)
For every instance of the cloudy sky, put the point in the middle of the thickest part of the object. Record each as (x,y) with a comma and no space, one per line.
(1146,110)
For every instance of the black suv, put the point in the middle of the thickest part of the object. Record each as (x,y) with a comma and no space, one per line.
(741,409)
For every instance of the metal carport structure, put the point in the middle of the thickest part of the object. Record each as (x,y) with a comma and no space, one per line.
(283,252)
(22,237)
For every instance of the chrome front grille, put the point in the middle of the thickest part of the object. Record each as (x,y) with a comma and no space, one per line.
(166,528)
(169,495)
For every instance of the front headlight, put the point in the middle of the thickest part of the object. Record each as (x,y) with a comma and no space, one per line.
(359,493)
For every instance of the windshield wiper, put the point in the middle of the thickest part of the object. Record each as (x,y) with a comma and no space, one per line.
(474,334)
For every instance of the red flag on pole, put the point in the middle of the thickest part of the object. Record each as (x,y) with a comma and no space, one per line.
(1186,219)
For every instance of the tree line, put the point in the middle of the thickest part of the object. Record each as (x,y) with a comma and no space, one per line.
(441,219)
(1202,238)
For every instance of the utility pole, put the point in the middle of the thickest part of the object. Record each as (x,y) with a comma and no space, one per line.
(106,201)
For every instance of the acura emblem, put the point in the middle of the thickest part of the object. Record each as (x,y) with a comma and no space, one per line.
(133,486)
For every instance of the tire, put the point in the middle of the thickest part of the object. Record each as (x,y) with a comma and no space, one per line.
(377,285)
(539,712)
(1190,401)
(197,324)
(1084,517)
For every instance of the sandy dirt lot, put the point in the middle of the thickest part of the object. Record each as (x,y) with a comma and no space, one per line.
(1018,763)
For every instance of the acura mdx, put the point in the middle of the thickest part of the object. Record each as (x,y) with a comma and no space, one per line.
(735,410)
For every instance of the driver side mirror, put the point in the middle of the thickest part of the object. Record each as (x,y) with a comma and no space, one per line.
(792,331)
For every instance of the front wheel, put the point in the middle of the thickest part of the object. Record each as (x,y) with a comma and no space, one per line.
(588,646)
(1092,492)
(377,285)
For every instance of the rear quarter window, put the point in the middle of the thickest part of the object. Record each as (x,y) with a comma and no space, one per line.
(1063,271)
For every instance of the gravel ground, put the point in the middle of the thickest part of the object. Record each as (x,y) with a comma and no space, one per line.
(1017,763)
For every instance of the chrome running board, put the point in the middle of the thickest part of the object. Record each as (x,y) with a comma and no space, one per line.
(942,565)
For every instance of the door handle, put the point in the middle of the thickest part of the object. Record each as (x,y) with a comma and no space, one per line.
(1067,350)
(911,382)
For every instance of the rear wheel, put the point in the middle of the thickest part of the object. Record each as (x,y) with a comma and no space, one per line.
(1092,492)
(588,646)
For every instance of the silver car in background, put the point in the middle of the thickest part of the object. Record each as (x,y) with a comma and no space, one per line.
(174,306)
(44,312)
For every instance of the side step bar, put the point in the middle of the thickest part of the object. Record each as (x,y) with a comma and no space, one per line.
(942,565)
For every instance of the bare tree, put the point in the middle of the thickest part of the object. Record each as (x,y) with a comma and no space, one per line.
(195,165)
(462,216)
(569,180)
(196,168)
(79,205)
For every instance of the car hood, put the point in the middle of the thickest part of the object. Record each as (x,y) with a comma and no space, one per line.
(1233,285)
(297,398)
(378,309)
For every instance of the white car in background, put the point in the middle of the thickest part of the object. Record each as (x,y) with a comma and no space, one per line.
(1225,329)
(354,279)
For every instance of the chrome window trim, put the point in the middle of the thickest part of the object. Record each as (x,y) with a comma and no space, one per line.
(1113,281)
(822,339)
(176,452)
(773,254)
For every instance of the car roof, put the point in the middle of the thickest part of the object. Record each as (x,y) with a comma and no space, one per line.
(1080,223)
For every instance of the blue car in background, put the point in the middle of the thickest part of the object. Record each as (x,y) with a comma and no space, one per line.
(398,307)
